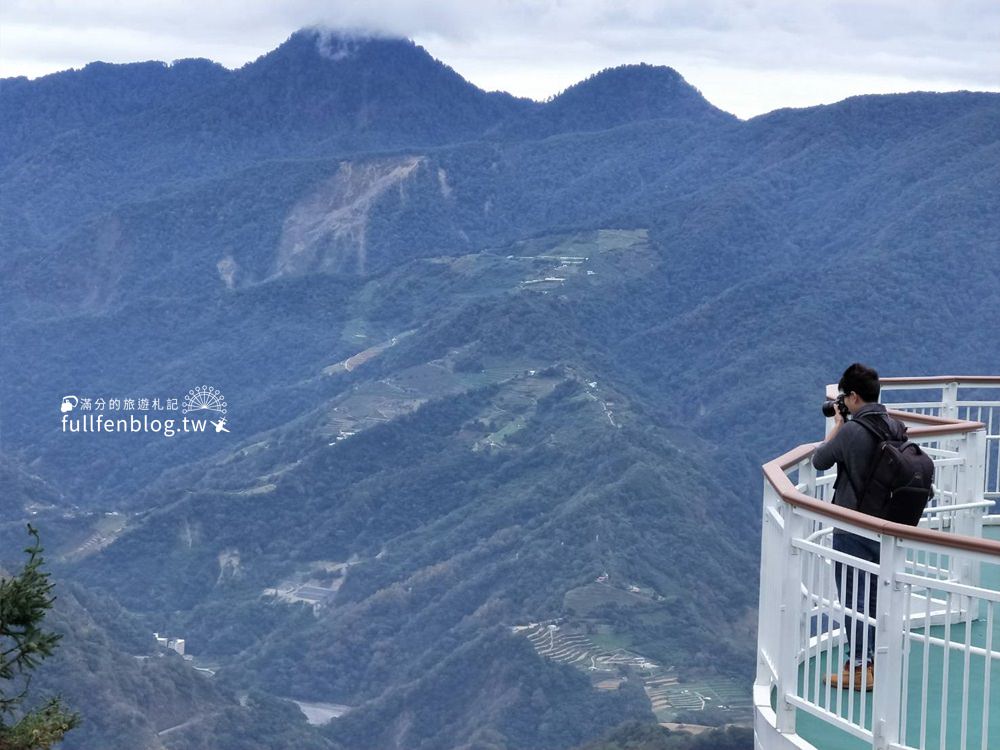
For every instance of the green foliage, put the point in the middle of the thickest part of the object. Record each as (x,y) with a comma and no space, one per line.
(259,722)
(24,643)
(533,707)
(107,663)
(638,736)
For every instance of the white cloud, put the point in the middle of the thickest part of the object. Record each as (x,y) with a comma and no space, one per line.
(748,56)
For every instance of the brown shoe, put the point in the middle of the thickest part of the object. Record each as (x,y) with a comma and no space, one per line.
(864,677)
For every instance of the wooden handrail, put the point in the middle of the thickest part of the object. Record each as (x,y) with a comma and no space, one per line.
(934,425)
(929,426)
(774,472)
(964,381)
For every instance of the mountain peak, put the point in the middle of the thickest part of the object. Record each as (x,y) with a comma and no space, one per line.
(320,44)
(619,96)
(366,87)
(634,92)
(631,74)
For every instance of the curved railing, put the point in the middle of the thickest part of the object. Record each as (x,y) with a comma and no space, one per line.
(955,398)
(938,591)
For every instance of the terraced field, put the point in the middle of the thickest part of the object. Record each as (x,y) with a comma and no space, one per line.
(375,402)
(668,696)
(723,695)
(568,647)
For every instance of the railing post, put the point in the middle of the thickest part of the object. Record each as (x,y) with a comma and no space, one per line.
(767,609)
(791,617)
(807,478)
(888,645)
(971,488)
(977,474)
(949,400)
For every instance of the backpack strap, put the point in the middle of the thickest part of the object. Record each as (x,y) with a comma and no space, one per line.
(885,428)
(879,434)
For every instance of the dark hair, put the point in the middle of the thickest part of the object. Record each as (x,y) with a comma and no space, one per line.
(862,380)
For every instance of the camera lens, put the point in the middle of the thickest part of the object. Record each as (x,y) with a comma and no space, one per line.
(829,409)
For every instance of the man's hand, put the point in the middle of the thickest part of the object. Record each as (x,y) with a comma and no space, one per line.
(838,422)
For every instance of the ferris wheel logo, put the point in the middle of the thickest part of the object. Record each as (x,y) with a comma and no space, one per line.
(204,398)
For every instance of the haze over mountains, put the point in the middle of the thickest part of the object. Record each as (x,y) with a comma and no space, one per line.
(489,365)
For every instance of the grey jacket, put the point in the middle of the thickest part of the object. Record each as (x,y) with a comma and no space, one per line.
(853,449)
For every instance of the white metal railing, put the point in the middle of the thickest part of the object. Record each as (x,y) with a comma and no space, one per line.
(972,399)
(937,602)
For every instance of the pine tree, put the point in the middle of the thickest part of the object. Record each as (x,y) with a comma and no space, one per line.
(24,600)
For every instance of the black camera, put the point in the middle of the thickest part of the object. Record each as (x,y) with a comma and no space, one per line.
(832,407)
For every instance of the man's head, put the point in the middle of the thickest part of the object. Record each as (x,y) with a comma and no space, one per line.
(860,386)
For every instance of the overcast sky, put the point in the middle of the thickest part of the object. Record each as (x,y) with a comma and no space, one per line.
(746,56)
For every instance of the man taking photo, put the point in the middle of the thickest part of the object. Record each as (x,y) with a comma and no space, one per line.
(852,448)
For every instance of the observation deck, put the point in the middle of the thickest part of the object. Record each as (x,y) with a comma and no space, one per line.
(937,620)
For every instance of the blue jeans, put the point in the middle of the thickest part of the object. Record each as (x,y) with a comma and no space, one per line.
(864,549)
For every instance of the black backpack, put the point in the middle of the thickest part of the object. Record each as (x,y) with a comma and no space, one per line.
(899,481)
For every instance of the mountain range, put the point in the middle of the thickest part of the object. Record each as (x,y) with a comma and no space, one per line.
(498,378)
